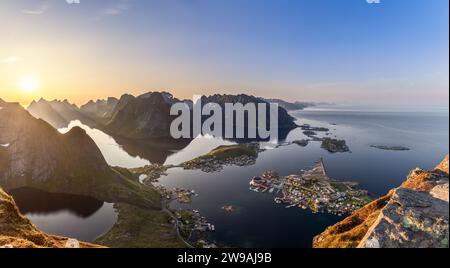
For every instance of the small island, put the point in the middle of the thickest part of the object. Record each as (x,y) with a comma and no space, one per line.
(334,145)
(308,127)
(390,148)
(302,143)
(309,133)
(229,208)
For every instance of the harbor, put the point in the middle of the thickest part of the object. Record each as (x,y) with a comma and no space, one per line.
(312,189)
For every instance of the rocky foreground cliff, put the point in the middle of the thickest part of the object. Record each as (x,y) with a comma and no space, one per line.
(414,215)
(16,231)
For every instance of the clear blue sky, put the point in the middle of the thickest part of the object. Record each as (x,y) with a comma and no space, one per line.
(321,50)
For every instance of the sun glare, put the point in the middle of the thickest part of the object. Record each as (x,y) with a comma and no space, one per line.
(29,84)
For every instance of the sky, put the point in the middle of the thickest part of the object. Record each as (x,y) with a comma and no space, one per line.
(391,52)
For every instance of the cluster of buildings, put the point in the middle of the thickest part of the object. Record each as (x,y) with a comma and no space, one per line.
(312,189)
(210,165)
(183,196)
(269,181)
(194,227)
(150,173)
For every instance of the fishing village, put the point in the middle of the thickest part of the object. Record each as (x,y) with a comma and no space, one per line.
(312,189)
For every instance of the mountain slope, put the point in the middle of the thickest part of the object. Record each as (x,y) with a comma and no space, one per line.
(414,215)
(285,121)
(100,110)
(143,117)
(34,154)
(148,116)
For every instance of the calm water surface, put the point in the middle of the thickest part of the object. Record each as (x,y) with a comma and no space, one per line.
(258,221)
(75,216)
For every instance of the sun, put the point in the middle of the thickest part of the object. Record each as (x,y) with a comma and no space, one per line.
(29,84)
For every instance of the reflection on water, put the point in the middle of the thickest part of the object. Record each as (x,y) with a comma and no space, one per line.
(262,223)
(155,151)
(114,154)
(39,202)
(137,153)
(80,217)
(199,146)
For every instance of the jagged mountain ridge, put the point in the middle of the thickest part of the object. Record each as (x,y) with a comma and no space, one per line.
(148,115)
(59,113)
(143,117)
(285,121)
(100,110)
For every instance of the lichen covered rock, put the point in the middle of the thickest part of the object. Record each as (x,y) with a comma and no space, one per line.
(410,219)
(414,215)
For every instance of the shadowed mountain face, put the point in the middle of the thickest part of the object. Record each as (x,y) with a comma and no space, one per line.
(34,154)
(143,117)
(148,116)
(285,121)
(118,118)
(100,110)
(39,153)
(141,125)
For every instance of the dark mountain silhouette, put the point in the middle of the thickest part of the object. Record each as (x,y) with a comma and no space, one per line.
(143,117)
(100,110)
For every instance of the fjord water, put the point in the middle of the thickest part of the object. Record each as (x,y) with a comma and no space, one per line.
(81,217)
(258,220)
